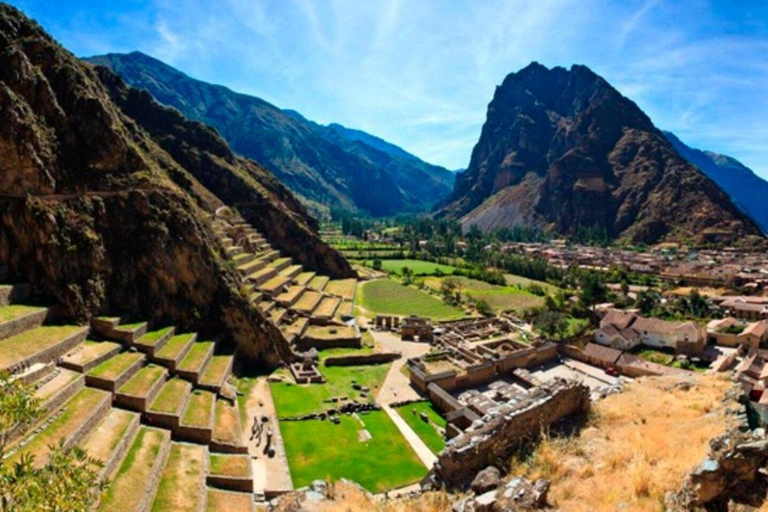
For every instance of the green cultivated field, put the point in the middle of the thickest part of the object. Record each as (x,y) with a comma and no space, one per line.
(500,298)
(296,400)
(514,280)
(426,431)
(419,267)
(320,449)
(389,297)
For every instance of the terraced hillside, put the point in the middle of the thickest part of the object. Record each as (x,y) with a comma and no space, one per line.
(155,406)
(286,292)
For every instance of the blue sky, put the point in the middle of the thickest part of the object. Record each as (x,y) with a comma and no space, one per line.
(420,73)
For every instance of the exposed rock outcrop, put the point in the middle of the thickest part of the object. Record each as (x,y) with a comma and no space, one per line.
(563,150)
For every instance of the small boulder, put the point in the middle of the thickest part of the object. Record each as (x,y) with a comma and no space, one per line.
(486,480)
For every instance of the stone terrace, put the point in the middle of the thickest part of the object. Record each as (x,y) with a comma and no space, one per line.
(153,405)
(294,299)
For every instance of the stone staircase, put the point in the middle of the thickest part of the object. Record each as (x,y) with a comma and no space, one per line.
(151,404)
(290,296)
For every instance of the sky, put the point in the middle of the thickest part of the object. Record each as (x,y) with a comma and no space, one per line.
(420,73)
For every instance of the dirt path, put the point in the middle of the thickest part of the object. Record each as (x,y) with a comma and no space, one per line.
(397,386)
(270,475)
(422,451)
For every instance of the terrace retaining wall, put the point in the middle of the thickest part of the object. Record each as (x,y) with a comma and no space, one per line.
(52,353)
(22,324)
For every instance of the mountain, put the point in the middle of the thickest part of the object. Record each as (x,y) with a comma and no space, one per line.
(357,172)
(748,190)
(563,150)
(106,198)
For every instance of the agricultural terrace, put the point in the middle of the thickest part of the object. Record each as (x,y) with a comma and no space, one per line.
(369,450)
(388,297)
(500,298)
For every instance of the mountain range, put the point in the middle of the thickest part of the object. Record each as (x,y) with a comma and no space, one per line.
(748,190)
(561,149)
(326,166)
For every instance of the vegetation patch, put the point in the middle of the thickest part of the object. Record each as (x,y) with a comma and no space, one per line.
(296,400)
(418,267)
(638,446)
(196,356)
(230,465)
(115,366)
(321,449)
(199,408)
(14,311)
(151,338)
(127,490)
(226,427)
(170,397)
(216,369)
(19,347)
(426,430)
(388,297)
(174,346)
(179,488)
(141,383)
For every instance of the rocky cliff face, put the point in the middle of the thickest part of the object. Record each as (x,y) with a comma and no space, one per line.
(746,189)
(103,215)
(325,170)
(562,149)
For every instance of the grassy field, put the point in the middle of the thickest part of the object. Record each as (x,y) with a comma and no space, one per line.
(230,465)
(171,396)
(500,298)
(419,267)
(426,431)
(320,449)
(199,408)
(294,400)
(143,380)
(514,280)
(389,297)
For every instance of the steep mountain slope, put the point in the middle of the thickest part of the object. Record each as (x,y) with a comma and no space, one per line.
(562,149)
(427,183)
(103,213)
(748,190)
(302,157)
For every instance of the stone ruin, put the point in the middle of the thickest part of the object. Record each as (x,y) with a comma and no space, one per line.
(387,322)
(494,438)
(413,328)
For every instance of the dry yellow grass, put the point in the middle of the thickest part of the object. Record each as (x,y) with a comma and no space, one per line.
(639,446)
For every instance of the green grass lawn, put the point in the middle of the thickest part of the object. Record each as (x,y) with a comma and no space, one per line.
(296,400)
(230,465)
(19,347)
(426,431)
(14,311)
(500,298)
(389,297)
(116,366)
(320,449)
(151,338)
(419,267)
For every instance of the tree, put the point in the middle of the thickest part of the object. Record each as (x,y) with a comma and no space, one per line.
(647,301)
(484,308)
(624,288)
(593,290)
(407,274)
(377,263)
(551,324)
(69,481)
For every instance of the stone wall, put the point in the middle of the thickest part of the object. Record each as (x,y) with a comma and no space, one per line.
(361,360)
(493,441)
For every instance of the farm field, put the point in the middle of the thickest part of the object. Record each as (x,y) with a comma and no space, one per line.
(389,297)
(515,280)
(426,431)
(322,450)
(500,298)
(419,267)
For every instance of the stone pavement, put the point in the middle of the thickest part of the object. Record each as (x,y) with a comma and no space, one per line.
(270,475)
(397,386)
